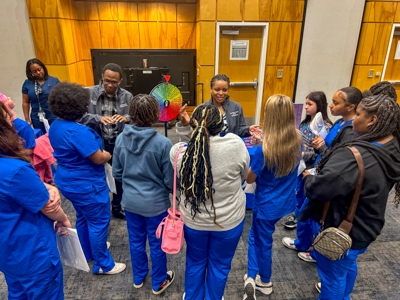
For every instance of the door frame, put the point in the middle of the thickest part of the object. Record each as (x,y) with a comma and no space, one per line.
(263,57)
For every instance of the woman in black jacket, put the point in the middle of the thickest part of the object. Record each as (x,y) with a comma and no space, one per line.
(377,124)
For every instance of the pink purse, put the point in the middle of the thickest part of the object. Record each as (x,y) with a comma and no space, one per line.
(172,225)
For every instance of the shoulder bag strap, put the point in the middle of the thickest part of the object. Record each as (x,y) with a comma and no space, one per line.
(174,187)
(347,223)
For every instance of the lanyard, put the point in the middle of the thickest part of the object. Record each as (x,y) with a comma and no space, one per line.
(38,91)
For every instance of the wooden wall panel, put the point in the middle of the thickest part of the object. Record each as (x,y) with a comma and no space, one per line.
(373,43)
(90,37)
(379,11)
(167,35)
(287,10)
(86,10)
(68,41)
(205,75)
(108,11)
(283,43)
(76,35)
(186,13)
(48,40)
(206,52)
(257,10)
(109,34)
(73,73)
(129,35)
(397,15)
(59,71)
(228,10)
(207,10)
(127,11)
(88,69)
(42,9)
(187,36)
(148,35)
(360,76)
(157,12)
(167,12)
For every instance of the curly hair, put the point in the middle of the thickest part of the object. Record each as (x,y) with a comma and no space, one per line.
(28,70)
(196,178)
(10,142)
(144,110)
(69,101)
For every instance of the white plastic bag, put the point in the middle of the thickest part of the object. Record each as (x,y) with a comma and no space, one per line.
(70,249)
(249,188)
(302,167)
(317,126)
(110,179)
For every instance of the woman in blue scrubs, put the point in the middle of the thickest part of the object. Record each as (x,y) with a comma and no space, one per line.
(29,257)
(80,173)
(35,92)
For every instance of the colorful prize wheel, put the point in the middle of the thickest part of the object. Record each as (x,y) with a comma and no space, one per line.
(169,98)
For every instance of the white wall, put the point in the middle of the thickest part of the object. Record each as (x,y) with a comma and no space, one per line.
(331,32)
(16,49)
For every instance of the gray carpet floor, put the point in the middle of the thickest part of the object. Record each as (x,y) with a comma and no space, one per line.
(379,267)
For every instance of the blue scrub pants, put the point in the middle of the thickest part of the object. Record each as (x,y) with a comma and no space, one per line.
(48,285)
(337,276)
(300,197)
(306,232)
(261,248)
(92,221)
(140,229)
(209,256)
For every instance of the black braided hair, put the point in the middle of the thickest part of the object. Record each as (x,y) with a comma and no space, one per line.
(388,112)
(384,87)
(196,177)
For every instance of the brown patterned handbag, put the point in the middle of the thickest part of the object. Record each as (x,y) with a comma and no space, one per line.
(333,242)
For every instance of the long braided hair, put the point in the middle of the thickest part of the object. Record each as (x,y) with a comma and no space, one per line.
(196,177)
(388,122)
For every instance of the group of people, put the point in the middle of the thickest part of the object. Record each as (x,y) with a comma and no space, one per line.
(106,124)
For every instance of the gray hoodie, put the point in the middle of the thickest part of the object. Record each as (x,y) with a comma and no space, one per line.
(141,162)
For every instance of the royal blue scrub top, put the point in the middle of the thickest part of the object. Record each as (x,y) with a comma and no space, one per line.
(274,197)
(25,131)
(73,143)
(27,237)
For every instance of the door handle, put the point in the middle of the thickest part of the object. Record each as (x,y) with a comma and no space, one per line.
(254,84)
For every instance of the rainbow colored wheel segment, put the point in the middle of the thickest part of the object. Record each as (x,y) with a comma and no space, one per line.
(169,98)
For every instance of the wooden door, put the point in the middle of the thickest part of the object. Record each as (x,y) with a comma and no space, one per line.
(242,70)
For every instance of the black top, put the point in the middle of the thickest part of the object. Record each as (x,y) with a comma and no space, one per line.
(336,182)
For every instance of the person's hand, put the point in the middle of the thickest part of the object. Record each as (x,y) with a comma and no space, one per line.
(256,140)
(119,118)
(54,202)
(317,142)
(105,120)
(183,116)
(255,130)
(107,154)
(64,223)
(305,173)
(28,120)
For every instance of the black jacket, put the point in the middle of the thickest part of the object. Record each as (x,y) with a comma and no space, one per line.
(336,182)
(344,135)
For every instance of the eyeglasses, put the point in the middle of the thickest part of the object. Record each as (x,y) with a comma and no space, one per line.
(113,83)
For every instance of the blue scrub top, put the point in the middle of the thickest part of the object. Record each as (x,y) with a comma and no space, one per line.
(29,88)
(26,132)
(73,143)
(27,237)
(274,197)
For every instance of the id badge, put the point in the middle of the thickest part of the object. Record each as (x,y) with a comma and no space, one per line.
(41,116)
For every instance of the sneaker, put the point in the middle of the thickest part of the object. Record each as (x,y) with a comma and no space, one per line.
(306,256)
(290,224)
(318,287)
(289,243)
(167,282)
(119,215)
(118,268)
(266,289)
(108,245)
(249,289)
(138,286)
